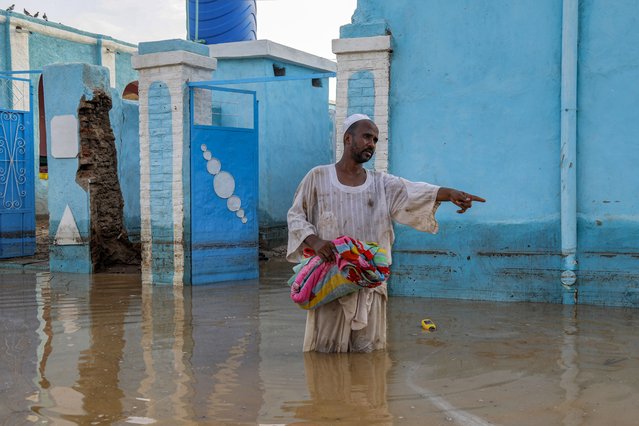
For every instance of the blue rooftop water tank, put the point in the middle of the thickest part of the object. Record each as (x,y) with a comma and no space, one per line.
(222,21)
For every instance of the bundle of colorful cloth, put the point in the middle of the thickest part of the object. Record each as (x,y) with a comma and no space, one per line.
(357,265)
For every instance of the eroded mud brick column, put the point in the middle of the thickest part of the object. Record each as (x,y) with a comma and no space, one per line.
(363,81)
(165,68)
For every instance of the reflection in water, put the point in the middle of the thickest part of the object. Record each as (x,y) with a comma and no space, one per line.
(226,381)
(345,386)
(18,347)
(103,349)
(81,347)
(182,348)
(568,362)
(102,315)
(166,343)
(227,353)
(146,383)
(99,364)
(45,332)
(198,345)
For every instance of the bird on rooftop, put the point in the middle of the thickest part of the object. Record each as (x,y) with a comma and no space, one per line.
(10,8)
(26,12)
(36,14)
(44,16)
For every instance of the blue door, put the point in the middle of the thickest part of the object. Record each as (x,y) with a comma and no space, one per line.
(17,190)
(224,185)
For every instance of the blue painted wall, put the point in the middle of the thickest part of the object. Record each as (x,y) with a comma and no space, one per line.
(124,73)
(46,50)
(475,104)
(294,125)
(125,122)
(608,154)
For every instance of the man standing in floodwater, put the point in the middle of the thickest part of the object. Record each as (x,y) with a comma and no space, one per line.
(346,199)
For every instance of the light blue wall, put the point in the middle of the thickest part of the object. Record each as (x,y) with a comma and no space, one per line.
(294,127)
(125,122)
(124,73)
(65,86)
(45,50)
(608,153)
(474,104)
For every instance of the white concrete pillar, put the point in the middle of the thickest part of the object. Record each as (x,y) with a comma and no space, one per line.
(19,42)
(107,53)
(371,54)
(165,68)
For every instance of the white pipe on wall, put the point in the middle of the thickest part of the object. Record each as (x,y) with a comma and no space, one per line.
(569,51)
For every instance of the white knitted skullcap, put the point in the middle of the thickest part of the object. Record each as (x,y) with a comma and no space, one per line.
(352,119)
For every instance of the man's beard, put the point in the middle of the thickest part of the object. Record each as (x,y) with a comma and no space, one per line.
(362,157)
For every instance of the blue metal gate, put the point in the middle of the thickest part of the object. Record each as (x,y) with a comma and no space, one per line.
(224,184)
(17,190)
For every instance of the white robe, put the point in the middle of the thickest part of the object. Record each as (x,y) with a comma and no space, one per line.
(325,207)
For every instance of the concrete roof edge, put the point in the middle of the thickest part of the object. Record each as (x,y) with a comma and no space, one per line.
(179,57)
(65,32)
(270,49)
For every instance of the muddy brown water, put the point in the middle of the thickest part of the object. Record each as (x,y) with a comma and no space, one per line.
(102,349)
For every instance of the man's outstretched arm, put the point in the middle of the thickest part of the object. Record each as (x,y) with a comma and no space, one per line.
(461,199)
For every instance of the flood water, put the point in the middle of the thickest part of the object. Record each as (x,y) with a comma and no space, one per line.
(102,349)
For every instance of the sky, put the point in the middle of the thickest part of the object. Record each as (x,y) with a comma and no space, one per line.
(308,25)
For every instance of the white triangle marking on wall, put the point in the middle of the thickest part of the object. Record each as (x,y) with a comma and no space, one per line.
(67,233)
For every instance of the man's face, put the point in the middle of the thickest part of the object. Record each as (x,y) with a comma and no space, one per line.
(361,143)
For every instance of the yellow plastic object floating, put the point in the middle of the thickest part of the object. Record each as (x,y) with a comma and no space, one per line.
(428,325)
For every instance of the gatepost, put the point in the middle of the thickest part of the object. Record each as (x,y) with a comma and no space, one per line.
(363,85)
(165,68)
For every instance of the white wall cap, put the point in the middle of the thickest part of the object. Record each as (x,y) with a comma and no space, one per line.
(175,57)
(78,36)
(362,44)
(269,49)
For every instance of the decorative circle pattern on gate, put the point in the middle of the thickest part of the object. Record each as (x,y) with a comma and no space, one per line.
(223,184)
(13,170)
